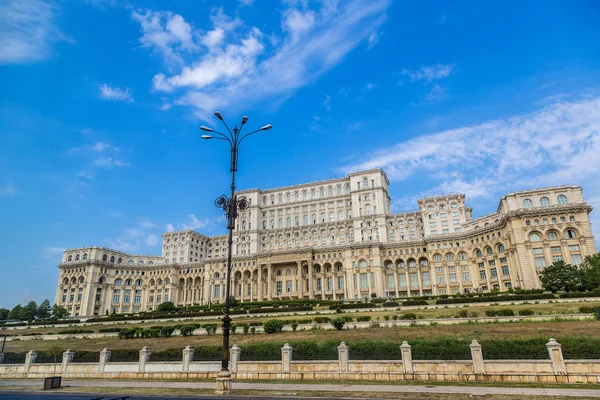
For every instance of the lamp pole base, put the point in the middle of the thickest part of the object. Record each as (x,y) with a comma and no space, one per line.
(224,382)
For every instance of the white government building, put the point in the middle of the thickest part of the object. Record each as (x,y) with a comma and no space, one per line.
(338,239)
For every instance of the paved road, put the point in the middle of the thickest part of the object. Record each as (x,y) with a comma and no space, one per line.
(295,387)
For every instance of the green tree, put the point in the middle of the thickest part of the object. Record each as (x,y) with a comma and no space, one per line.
(591,272)
(59,312)
(16,312)
(43,311)
(562,276)
(167,306)
(4,314)
(30,310)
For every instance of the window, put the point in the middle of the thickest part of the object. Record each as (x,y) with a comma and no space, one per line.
(562,199)
(538,250)
(556,249)
(540,262)
(440,279)
(321,192)
(130,262)
(534,237)
(450,257)
(527,203)
(452,277)
(478,253)
(279,286)
(489,251)
(576,259)
(414,279)
(402,279)
(340,279)
(466,277)
(118,282)
(573,247)
(364,283)
(494,272)
(500,248)
(437,258)
(482,274)
(544,201)
(571,234)
(505,270)
(462,255)
(425,279)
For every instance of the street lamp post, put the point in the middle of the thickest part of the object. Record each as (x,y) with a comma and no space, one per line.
(231,205)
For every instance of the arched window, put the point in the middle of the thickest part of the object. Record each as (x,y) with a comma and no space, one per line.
(297,221)
(329,191)
(423,261)
(462,255)
(128,282)
(287,198)
(84,256)
(412,263)
(544,201)
(489,251)
(112,259)
(500,248)
(570,234)
(288,222)
(340,215)
(453,205)
(534,237)
(130,262)
(362,264)
(552,235)
(279,223)
(365,183)
(331,216)
(272,199)
(318,269)
(368,209)
(449,257)
(150,262)
(339,189)
(296,196)
(304,195)
(437,258)
(347,188)
(167,281)
(104,257)
(400,264)
(118,282)
(264,200)
(77,257)
(160,282)
(321,192)
(478,253)
(101,280)
(81,279)
(312,193)
(66,281)
(527,203)
(562,199)
(389,265)
(119,261)
(70,258)
(278,273)
(244,225)
(279,198)
(288,271)
(140,262)
(138,282)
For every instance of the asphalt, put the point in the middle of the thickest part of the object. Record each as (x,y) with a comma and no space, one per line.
(296,387)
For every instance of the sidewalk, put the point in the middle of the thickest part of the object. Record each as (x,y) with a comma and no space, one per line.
(472,390)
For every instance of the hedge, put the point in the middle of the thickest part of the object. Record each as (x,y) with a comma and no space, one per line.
(576,295)
(350,306)
(74,331)
(500,313)
(280,310)
(493,299)
(53,322)
(415,303)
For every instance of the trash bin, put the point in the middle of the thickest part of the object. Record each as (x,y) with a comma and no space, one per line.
(52,382)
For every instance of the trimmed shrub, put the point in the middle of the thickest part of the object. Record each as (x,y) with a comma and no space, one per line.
(211,329)
(351,306)
(409,316)
(507,312)
(338,323)
(294,326)
(167,331)
(109,330)
(322,320)
(415,303)
(587,310)
(495,298)
(526,311)
(364,318)
(187,330)
(390,304)
(273,326)
(74,331)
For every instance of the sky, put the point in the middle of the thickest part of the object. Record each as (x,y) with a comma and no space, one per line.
(101,103)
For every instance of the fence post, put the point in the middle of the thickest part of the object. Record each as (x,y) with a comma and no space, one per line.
(104,358)
(1,358)
(67,358)
(30,359)
(286,357)
(556,355)
(406,357)
(234,357)
(144,357)
(343,357)
(188,356)
(477,356)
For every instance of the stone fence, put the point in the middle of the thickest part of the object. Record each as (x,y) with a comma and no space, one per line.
(555,369)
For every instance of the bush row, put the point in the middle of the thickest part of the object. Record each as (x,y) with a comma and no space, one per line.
(516,297)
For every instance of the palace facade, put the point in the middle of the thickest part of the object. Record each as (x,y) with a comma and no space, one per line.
(338,239)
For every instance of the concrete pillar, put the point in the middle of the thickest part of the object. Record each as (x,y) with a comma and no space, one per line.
(260,287)
(269,282)
(144,357)
(343,355)
(104,358)
(1,358)
(406,357)
(556,355)
(286,357)
(188,356)
(67,359)
(234,357)
(311,292)
(477,356)
(30,359)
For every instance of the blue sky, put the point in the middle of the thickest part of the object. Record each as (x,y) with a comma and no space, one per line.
(101,101)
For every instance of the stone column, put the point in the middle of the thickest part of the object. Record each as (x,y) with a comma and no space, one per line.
(66,359)
(144,357)
(188,356)
(104,358)
(556,355)
(234,357)
(269,282)
(396,282)
(407,277)
(311,291)
(300,283)
(406,357)
(343,355)
(30,359)
(286,357)
(477,356)
(260,286)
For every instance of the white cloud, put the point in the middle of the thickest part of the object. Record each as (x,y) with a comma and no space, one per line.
(269,69)
(195,223)
(110,162)
(429,73)
(436,94)
(27,30)
(151,240)
(114,93)
(246,2)
(8,190)
(369,85)
(327,102)
(170,228)
(373,39)
(86,175)
(559,144)
(52,252)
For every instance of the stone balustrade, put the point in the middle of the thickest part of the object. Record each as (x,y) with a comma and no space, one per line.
(555,369)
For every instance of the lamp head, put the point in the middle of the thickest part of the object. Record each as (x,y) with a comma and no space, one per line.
(205,128)
(244,120)
(266,127)
(206,137)
(218,115)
